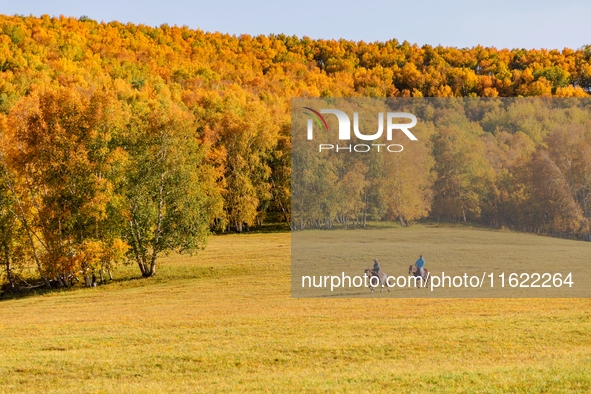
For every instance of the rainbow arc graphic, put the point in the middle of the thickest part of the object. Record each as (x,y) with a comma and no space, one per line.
(317,117)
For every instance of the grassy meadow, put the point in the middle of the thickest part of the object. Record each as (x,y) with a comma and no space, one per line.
(450,249)
(224,321)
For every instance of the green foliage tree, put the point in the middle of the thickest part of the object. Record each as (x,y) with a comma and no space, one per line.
(461,171)
(170,191)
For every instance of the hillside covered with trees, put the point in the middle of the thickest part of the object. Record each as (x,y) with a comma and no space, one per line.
(122,141)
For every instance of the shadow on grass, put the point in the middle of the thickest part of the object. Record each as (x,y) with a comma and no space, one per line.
(266,228)
(7,294)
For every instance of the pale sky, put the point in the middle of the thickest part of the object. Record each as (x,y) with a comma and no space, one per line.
(463,23)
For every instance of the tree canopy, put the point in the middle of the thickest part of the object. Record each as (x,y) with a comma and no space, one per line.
(125,141)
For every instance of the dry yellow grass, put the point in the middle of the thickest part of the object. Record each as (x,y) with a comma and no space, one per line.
(234,327)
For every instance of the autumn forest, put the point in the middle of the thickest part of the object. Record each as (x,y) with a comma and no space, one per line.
(120,142)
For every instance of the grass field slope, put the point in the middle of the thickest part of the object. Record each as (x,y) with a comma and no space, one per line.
(224,321)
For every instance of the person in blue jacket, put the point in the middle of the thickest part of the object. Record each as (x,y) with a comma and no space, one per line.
(420,263)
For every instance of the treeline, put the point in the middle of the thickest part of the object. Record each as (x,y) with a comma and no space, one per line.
(88,180)
(520,163)
(122,141)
